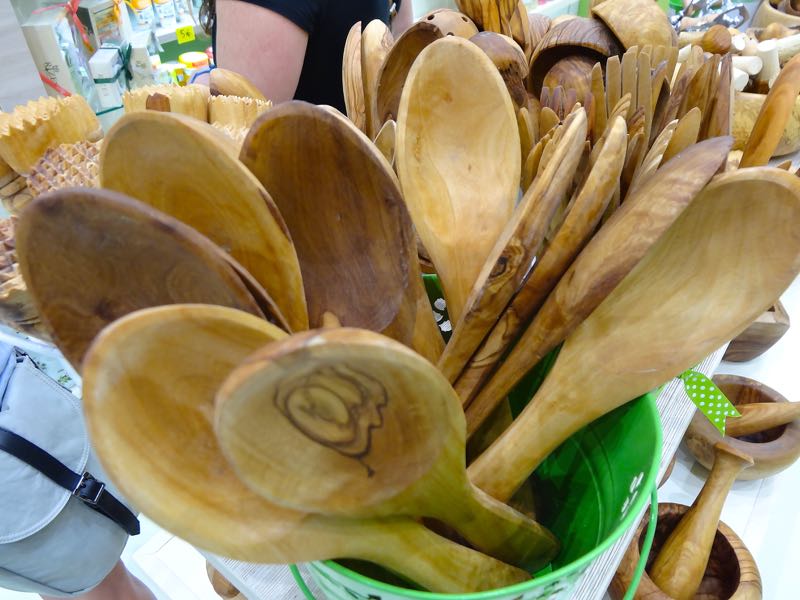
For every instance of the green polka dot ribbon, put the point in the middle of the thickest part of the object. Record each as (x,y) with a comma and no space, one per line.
(708,398)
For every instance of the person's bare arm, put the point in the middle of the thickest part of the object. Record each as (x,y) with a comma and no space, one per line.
(403,19)
(262,45)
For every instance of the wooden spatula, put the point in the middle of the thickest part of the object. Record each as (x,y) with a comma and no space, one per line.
(155,373)
(348,422)
(458,160)
(209,190)
(343,207)
(91,256)
(699,286)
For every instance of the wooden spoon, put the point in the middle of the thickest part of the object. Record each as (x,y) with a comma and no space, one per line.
(352,83)
(761,416)
(348,422)
(210,191)
(342,204)
(155,373)
(697,288)
(385,140)
(775,112)
(460,201)
(575,232)
(517,251)
(91,256)
(223,82)
(606,260)
(685,134)
(376,41)
(680,564)
(394,71)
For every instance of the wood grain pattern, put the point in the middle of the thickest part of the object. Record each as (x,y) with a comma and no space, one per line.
(459,201)
(652,160)
(746,109)
(395,68)
(574,233)
(773,116)
(772,450)
(123,256)
(392,451)
(686,132)
(600,107)
(227,204)
(338,195)
(385,140)
(510,61)
(452,22)
(599,367)
(719,122)
(516,252)
(636,22)
(593,275)
(376,41)
(167,398)
(760,416)
(732,572)
(681,562)
(223,82)
(352,84)
(613,82)
(760,335)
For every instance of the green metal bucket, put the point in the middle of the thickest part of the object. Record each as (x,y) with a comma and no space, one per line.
(591,490)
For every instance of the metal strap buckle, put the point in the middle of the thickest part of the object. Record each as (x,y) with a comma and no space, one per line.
(89,489)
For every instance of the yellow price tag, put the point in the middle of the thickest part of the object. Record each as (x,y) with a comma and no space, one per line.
(185,34)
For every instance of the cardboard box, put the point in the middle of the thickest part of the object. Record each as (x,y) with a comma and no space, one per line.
(45,32)
(105,23)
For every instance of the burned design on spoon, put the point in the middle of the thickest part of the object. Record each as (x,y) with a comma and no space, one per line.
(336,406)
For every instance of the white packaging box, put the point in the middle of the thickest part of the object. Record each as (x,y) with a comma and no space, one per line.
(44,32)
(109,78)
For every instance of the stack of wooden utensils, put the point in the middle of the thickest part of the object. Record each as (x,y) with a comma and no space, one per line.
(256,342)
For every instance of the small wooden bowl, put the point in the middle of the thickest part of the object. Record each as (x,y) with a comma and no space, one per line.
(732,573)
(767,14)
(760,336)
(772,450)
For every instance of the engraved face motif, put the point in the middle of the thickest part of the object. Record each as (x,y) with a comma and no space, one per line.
(335,406)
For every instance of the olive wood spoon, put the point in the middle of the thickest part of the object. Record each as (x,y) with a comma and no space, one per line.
(619,245)
(574,233)
(680,564)
(342,204)
(394,71)
(698,287)
(773,116)
(131,384)
(385,140)
(90,256)
(517,250)
(376,41)
(458,160)
(352,84)
(761,416)
(348,422)
(223,82)
(226,203)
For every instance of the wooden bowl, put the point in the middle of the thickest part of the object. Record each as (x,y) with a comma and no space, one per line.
(767,14)
(760,336)
(577,37)
(746,107)
(772,450)
(451,22)
(732,573)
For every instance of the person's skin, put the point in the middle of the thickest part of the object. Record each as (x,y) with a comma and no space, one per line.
(268,48)
(120,584)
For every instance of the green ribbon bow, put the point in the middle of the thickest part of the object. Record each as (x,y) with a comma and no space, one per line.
(708,398)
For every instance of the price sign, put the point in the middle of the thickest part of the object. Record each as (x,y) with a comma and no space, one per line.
(185,34)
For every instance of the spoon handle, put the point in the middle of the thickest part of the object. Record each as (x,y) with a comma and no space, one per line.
(679,567)
(428,559)
(760,416)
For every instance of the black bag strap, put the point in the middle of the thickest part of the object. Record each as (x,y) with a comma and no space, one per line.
(85,487)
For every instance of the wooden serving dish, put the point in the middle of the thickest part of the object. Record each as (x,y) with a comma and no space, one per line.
(767,14)
(760,336)
(772,450)
(732,573)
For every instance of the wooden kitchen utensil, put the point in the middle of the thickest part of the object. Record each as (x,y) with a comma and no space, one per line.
(385,140)
(760,335)
(773,117)
(574,233)
(91,256)
(223,82)
(155,373)
(683,300)
(352,84)
(395,68)
(344,210)
(459,201)
(209,190)
(607,259)
(678,569)
(376,41)
(516,251)
(636,22)
(760,416)
(348,422)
